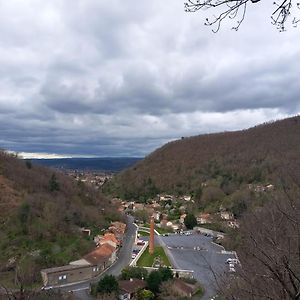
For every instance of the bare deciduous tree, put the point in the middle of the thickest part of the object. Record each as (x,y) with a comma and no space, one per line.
(270,252)
(236,9)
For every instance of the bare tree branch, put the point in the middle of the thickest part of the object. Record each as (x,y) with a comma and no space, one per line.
(236,9)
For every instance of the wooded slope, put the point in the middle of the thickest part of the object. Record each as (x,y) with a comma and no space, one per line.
(257,154)
(41,213)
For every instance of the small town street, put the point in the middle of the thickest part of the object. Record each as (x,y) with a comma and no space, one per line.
(81,290)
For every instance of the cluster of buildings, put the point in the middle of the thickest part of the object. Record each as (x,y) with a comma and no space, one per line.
(164,207)
(93,263)
(91,178)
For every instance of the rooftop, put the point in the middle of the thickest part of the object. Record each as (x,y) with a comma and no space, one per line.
(131,286)
(100,254)
(61,269)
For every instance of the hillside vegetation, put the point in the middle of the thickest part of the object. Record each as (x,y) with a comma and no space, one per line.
(224,161)
(41,213)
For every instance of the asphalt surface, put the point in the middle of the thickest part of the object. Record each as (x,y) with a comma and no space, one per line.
(198,253)
(81,290)
(193,252)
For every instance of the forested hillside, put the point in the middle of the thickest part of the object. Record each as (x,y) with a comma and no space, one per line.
(41,213)
(255,155)
(232,170)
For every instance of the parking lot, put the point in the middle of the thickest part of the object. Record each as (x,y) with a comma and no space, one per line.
(197,252)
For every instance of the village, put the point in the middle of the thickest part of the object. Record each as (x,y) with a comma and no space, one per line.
(123,245)
(95,179)
(169,213)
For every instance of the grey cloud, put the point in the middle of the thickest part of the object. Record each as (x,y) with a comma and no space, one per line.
(123,78)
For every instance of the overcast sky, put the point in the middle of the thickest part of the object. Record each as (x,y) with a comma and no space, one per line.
(121,78)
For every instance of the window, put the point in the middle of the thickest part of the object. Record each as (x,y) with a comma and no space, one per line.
(62,277)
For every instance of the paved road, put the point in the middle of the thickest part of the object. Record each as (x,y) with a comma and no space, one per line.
(81,289)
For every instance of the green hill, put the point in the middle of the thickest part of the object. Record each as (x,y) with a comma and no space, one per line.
(40,218)
(225,161)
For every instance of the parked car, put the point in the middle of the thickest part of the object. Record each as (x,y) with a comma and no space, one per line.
(133,255)
(232,261)
(140,243)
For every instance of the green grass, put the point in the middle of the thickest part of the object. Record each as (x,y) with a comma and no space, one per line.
(143,233)
(146,260)
(164,230)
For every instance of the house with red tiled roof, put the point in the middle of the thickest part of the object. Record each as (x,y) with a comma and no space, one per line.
(88,267)
(109,238)
(118,229)
(103,256)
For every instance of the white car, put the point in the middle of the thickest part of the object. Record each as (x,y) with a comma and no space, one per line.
(133,255)
(231,270)
(232,261)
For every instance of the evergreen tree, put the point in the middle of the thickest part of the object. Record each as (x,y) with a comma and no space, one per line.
(107,285)
(190,221)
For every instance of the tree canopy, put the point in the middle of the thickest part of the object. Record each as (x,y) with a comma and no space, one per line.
(107,285)
(236,9)
(190,221)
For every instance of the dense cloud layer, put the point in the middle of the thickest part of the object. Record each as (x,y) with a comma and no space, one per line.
(119,79)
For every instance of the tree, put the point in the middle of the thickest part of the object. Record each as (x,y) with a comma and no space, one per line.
(269,251)
(190,221)
(134,272)
(142,215)
(145,295)
(167,291)
(166,273)
(236,9)
(154,280)
(107,285)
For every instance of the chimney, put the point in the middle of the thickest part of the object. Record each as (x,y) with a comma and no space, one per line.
(151,240)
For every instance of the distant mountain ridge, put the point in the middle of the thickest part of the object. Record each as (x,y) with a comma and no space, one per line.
(257,154)
(105,164)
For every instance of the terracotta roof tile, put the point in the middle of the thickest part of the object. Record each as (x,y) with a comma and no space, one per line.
(100,254)
(109,237)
